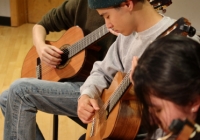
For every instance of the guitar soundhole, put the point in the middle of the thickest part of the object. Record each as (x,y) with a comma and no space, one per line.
(64,57)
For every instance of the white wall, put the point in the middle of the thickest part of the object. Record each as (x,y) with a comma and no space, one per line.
(5,8)
(189,9)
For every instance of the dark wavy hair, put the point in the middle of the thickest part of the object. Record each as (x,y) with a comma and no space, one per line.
(169,69)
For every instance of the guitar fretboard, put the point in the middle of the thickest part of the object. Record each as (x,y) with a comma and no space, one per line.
(87,40)
(118,92)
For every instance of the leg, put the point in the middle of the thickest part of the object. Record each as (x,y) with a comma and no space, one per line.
(3,99)
(26,96)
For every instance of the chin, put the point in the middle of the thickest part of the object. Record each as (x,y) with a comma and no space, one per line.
(126,34)
(166,130)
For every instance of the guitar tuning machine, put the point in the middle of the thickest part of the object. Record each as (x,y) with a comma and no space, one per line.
(160,5)
(189,29)
(163,10)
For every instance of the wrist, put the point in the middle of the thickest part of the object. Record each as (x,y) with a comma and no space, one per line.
(84,96)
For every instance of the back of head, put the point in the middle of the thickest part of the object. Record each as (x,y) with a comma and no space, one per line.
(98,4)
(169,68)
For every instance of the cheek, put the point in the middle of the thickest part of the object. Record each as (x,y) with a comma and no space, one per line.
(120,21)
(167,116)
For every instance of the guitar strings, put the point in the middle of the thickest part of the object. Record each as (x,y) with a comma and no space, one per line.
(46,68)
(116,94)
(100,117)
(78,46)
(87,40)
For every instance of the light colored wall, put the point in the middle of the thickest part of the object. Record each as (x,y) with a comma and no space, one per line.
(189,9)
(5,8)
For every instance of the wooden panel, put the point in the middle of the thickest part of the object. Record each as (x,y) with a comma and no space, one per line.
(18,12)
(31,11)
(38,8)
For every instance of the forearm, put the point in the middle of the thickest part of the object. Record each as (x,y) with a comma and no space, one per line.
(102,74)
(39,35)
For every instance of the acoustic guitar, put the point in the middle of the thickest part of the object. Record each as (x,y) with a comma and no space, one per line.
(118,117)
(77,59)
(183,130)
(79,54)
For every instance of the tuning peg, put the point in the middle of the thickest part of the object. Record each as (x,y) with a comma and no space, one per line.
(189,29)
(192,31)
(164,11)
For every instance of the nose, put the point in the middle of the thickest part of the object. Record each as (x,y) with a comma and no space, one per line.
(108,24)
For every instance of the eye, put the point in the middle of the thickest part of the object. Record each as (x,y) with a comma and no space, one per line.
(157,110)
(107,17)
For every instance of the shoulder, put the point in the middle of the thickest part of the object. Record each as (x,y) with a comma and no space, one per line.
(76,3)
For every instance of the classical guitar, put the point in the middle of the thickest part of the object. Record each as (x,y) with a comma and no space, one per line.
(77,59)
(182,130)
(79,55)
(118,116)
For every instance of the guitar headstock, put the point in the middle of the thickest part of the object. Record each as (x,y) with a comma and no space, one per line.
(181,27)
(184,129)
(160,4)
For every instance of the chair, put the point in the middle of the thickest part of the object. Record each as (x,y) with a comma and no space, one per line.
(55,125)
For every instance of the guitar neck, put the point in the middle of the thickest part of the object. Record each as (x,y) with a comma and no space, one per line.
(87,40)
(119,92)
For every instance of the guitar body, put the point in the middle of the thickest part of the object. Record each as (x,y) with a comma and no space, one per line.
(78,66)
(122,122)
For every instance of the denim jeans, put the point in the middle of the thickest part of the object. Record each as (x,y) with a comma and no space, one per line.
(26,96)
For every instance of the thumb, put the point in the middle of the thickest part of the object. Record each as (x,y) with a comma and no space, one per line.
(56,49)
(94,104)
(134,64)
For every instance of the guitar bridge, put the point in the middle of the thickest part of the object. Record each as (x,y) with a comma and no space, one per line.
(92,128)
(38,69)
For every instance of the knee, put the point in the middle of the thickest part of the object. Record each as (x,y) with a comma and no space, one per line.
(3,98)
(19,84)
(16,85)
(17,89)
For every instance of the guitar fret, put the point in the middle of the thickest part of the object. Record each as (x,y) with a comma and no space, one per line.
(119,92)
(87,40)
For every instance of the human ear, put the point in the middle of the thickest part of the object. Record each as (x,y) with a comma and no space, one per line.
(129,4)
(195,105)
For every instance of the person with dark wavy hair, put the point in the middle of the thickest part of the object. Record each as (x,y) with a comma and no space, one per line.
(166,81)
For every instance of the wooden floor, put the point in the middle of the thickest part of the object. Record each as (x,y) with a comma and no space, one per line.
(15,42)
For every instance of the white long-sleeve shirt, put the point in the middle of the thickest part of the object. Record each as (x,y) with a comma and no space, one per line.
(119,57)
